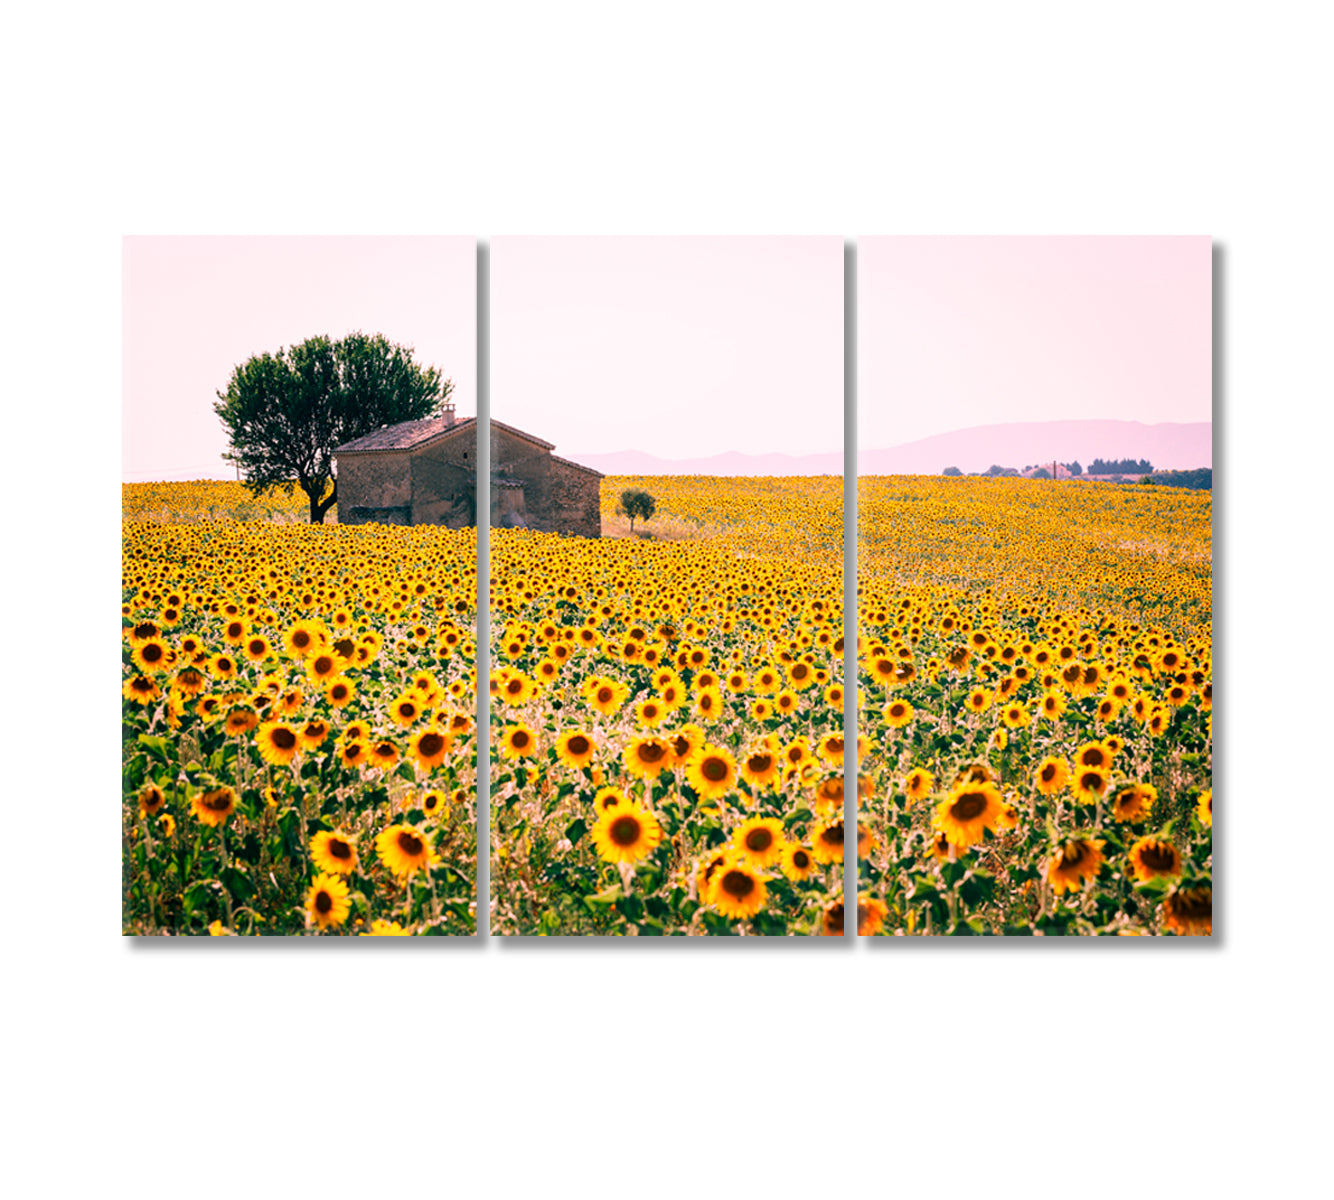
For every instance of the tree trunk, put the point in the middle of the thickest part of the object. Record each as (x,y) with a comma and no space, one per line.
(319,507)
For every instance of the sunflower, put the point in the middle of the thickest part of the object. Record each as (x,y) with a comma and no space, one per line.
(918,784)
(433,804)
(516,688)
(1089,783)
(831,749)
(405,709)
(711,771)
(429,747)
(1051,776)
(1133,802)
(796,861)
(141,690)
(1189,911)
(801,675)
(1052,706)
(1154,858)
(575,748)
(327,901)
(827,841)
(518,741)
(334,852)
(831,922)
(382,753)
(608,798)
(737,890)
(651,712)
(626,833)
(761,710)
(871,914)
(685,742)
(766,680)
(382,928)
(151,799)
(646,757)
(828,797)
(1093,754)
(153,654)
(222,666)
(1076,861)
(709,704)
(313,734)
(942,850)
(257,647)
(239,721)
(605,695)
(278,743)
(897,713)
(968,811)
(404,849)
(979,700)
(760,840)
(303,638)
(786,701)
(1014,716)
(213,807)
(759,767)
(1204,808)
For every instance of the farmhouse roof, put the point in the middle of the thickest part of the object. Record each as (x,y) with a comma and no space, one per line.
(406,435)
(411,435)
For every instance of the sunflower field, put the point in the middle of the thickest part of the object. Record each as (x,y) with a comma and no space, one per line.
(1036,689)
(666,722)
(298,706)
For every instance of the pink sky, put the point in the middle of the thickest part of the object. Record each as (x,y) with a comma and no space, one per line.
(677,346)
(960,331)
(195,307)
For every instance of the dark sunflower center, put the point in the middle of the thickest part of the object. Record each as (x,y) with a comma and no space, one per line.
(1048,772)
(759,762)
(759,840)
(217,801)
(737,884)
(284,738)
(519,740)
(1158,856)
(1091,781)
(624,830)
(514,687)
(652,752)
(833,836)
(1072,855)
(604,695)
(410,844)
(339,848)
(431,744)
(714,770)
(578,744)
(801,860)
(834,745)
(968,806)
(323,902)
(152,652)
(833,918)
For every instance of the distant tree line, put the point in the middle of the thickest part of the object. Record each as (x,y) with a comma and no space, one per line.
(1200,479)
(1120,466)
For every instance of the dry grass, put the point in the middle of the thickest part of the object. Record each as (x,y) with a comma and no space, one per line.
(660,528)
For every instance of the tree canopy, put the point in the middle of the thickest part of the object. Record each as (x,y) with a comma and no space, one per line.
(286,412)
(636,502)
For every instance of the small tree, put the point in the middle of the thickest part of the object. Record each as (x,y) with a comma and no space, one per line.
(951,471)
(636,502)
(285,413)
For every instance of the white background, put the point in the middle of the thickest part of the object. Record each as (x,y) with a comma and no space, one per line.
(1091,1070)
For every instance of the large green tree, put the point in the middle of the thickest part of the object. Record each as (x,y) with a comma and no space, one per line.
(286,412)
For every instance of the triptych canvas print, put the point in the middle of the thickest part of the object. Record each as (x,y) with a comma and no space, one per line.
(671,697)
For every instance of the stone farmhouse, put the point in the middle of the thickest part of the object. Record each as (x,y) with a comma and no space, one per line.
(425,473)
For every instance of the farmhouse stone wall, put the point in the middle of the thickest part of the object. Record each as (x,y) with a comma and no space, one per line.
(435,484)
(559,497)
